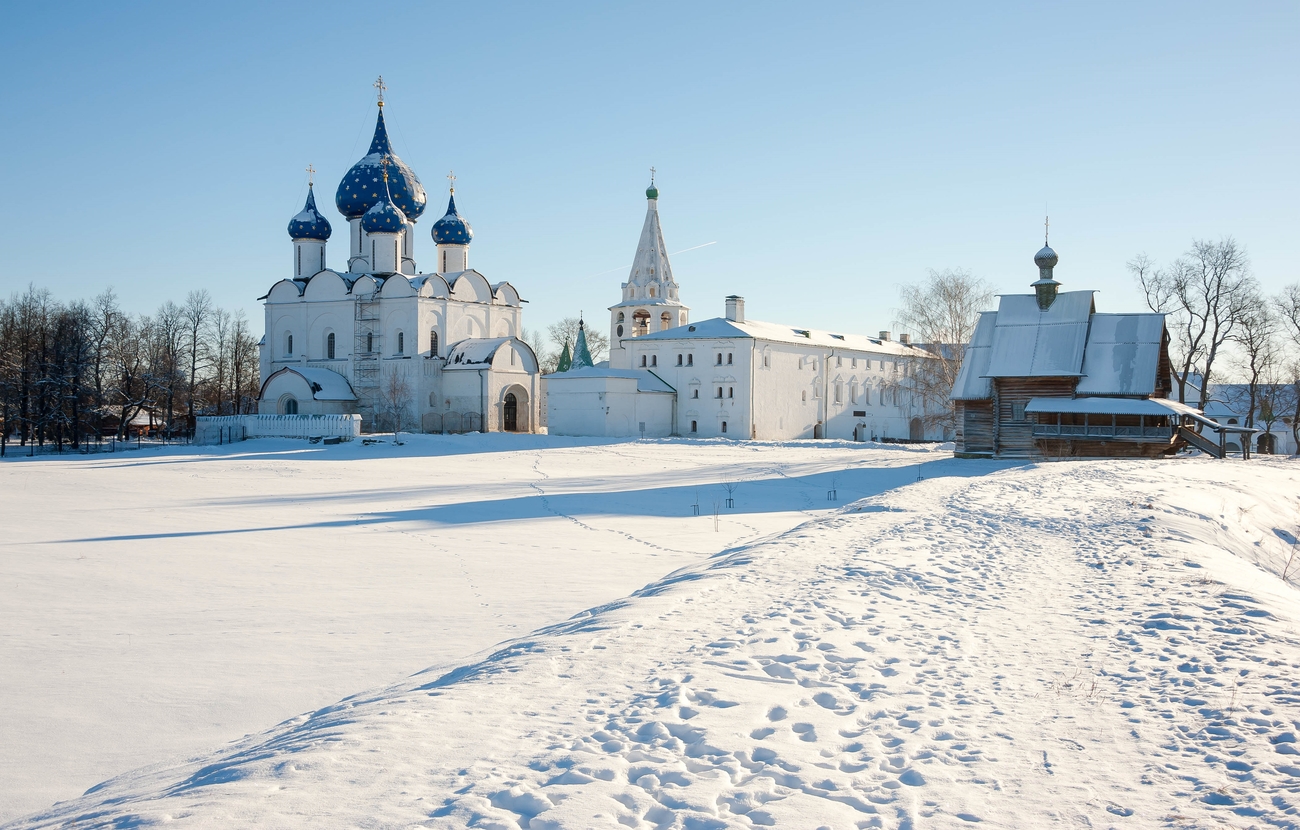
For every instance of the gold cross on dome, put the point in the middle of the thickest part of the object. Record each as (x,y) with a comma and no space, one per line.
(383,162)
(311,175)
(379,85)
(451,177)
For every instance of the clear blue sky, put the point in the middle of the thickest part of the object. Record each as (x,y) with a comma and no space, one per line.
(831,151)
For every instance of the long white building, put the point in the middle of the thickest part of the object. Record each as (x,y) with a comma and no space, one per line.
(379,337)
(729,376)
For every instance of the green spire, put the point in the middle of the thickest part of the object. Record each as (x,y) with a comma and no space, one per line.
(581,354)
(565,362)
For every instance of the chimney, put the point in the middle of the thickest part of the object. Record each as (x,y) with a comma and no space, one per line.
(736,309)
(884,336)
(905,339)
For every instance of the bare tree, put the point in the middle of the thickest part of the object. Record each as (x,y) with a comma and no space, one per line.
(567,329)
(941,313)
(1288,309)
(546,358)
(1256,335)
(395,398)
(195,314)
(1204,295)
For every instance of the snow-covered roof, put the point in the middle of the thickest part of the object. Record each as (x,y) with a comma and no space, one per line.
(1122,354)
(1030,342)
(721,327)
(1110,406)
(474,352)
(324,384)
(973,381)
(645,381)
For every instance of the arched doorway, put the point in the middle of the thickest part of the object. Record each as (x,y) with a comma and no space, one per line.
(516,414)
(511,412)
(916,430)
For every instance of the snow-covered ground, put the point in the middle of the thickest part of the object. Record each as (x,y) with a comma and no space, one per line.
(1101,644)
(157,603)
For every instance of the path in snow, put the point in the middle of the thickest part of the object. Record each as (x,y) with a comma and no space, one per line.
(159,603)
(1101,644)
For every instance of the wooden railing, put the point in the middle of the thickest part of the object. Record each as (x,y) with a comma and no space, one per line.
(1105,431)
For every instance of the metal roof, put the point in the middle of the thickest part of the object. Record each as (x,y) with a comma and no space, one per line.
(324,384)
(645,381)
(1110,406)
(1030,342)
(716,328)
(1122,355)
(973,382)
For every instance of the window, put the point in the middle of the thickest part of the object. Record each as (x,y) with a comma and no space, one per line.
(433,342)
(728,358)
(370,341)
(690,360)
(839,392)
(619,330)
(291,406)
(719,393)
(853,392)
(329,346)
(444,262)
(695,393)
(679,360)
(654,360)
(804,393)
(724,426)
(1017,411)
(731,391)
(767,360)
(855,363)
(643,361)
(719,358)
(694,427)
(839,361)
(401,342)
(620,316)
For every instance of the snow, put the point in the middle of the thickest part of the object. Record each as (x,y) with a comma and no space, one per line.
(1102,643)
(157,603)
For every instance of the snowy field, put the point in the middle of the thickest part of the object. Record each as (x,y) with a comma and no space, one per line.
(1091,644)
(158,603)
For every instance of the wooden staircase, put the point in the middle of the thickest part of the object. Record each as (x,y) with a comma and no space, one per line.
(1199,441)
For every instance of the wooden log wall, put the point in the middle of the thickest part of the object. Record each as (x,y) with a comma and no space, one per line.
(1015,438)
(975,426)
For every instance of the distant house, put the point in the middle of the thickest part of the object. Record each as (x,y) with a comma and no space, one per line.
(1046,376)
(1229,404)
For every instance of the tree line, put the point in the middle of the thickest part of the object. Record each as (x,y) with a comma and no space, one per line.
(72,372)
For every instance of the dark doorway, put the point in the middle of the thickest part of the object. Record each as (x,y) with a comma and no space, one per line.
(916,430)
(512,413)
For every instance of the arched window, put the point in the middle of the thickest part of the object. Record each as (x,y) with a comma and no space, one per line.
(370,342)
(839,392)
(693,427)
(620,316)
(643,361)
(433,342)
(695,393)
(719,393)
(731,391)
(288,345)
(690,360)
(401,342)
(665,320)
(329,346)
(652,291)
(291,406)
(804,393)
(679,360)
(729,358)
(724,426)
(654,360)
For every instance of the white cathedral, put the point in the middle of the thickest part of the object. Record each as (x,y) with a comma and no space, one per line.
(435,351)
(729,376)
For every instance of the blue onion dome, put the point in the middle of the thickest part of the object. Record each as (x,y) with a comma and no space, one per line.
(451,229)
(383,217)
(363,185)
(1046,258)
(309,224)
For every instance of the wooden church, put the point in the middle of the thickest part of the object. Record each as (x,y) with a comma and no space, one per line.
(1046,376)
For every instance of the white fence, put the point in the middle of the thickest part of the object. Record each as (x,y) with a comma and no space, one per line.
(226,429)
